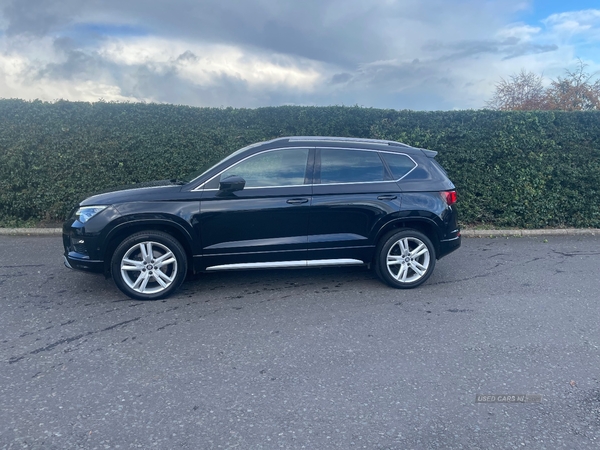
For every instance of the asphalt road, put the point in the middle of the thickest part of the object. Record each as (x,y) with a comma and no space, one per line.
(316,359)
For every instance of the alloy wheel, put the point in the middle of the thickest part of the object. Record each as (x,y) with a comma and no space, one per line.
(408,260)
(149,267)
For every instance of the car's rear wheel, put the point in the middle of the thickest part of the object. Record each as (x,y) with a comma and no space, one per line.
(405,258)
(149,265)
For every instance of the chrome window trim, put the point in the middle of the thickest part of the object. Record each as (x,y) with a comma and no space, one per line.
(231,155)
(314,184)
(369,150)
(198,188)
(354,182)
(409,157)
(266,187)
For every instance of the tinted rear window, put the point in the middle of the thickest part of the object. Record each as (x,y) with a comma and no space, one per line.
(350,166)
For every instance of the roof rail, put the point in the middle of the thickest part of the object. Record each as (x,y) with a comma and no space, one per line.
(346,139)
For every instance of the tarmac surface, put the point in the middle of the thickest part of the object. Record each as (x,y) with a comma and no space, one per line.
(313,358)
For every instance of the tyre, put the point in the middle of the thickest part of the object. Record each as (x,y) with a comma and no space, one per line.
(405,258)
(149,265)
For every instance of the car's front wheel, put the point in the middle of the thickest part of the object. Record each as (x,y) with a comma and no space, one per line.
(149,265)
(405,258)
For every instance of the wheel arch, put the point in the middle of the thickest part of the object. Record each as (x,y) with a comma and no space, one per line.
(426,226)
(122,231)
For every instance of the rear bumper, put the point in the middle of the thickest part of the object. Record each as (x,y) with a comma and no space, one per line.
(449,245)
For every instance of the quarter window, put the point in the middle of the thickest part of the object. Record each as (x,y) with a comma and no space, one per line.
(400,165)
(350,166)
(285,167)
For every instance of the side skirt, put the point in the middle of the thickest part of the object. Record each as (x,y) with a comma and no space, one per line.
(288,264)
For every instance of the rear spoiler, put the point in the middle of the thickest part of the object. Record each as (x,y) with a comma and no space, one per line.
(429,153)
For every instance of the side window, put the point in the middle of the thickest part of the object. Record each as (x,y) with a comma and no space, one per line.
(285,167)
(350,166)
(400,165)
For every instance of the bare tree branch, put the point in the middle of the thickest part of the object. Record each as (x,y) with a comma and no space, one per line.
(577,91)
(522,91)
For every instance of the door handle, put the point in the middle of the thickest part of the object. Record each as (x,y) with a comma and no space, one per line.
(297,201)
(387,197)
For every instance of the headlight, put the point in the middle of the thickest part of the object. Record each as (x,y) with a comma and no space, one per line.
(85,213)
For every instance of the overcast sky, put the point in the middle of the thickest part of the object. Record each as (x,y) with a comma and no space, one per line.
(401,54)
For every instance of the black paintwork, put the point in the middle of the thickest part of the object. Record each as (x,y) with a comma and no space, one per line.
(306,222)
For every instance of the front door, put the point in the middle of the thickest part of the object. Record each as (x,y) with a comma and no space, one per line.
(265,222)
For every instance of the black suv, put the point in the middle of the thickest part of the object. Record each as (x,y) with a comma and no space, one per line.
(289,202)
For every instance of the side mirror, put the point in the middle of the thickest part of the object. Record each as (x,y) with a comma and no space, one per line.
(232,183)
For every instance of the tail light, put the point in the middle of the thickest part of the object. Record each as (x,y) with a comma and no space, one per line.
(449,197)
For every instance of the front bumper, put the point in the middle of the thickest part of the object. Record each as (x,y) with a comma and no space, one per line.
(76,261)
(81,250)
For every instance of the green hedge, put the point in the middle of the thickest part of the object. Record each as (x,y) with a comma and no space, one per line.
(512,169)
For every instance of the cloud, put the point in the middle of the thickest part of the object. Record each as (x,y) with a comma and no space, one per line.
(510,47)
(152,69)
(37,17)
(206,64)
(519,32)
(423,54)
(575,22)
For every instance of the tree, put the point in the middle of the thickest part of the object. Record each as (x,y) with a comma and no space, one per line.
(522,91)
(577,91)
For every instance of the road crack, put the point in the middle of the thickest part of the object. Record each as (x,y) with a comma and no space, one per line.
(68,340)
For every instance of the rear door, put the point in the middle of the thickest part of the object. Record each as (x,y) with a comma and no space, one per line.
(354,192)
